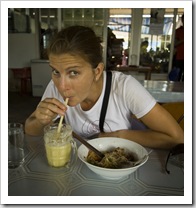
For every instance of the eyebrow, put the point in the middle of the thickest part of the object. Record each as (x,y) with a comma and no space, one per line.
(64,69)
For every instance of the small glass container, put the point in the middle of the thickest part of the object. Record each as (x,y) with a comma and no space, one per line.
(61,150)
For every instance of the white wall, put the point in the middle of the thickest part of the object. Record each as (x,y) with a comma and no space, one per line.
(22,49)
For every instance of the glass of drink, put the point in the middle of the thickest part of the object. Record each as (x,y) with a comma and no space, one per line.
(15,145)
(61,149)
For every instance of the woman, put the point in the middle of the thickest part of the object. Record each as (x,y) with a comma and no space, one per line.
(75,56)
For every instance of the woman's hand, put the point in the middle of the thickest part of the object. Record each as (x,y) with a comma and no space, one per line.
(48,109)
(44,114)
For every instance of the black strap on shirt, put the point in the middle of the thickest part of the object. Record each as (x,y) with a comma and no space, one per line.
(105,100)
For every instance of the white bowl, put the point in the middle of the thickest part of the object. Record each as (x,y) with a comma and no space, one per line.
(107,143)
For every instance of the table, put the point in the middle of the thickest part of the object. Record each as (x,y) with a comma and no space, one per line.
(140,69)
(37,178)
(165,91)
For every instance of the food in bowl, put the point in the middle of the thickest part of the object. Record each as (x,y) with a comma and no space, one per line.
(105,144)
(116,158)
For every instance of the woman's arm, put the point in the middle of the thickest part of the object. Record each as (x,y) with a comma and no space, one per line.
(45,113)
(164,132)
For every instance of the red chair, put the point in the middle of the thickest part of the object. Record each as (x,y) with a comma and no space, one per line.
(24,74)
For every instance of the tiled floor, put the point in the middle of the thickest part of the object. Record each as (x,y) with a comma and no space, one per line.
(20,106)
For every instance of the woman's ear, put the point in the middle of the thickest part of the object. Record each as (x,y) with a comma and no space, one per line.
(98,71)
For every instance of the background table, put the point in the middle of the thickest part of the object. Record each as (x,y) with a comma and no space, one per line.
(37,178)
(165,91)
(140,69)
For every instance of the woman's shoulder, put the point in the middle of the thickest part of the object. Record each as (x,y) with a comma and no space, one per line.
(121,75)
(119,79)
(51,87)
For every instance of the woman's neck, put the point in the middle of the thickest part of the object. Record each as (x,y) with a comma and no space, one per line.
(96,91)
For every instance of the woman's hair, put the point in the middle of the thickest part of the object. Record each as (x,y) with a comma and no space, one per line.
(77,40)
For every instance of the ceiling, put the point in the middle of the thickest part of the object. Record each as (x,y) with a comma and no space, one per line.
(127,11)
(113,11)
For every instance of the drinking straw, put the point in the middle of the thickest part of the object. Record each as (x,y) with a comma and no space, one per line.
(61,120)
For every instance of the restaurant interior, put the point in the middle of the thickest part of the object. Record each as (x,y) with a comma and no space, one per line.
(124,32)
(136,41)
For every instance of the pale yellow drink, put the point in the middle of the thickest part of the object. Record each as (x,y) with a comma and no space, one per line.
(58,147)
(58,156)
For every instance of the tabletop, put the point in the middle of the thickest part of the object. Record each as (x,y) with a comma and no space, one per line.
(36,178)
(165,91)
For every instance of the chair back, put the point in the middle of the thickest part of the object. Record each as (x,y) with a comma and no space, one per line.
(177,111)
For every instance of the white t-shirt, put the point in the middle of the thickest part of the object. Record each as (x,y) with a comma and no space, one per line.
(127,97)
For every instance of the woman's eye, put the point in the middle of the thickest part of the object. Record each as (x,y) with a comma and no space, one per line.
(73,73)
(55,72)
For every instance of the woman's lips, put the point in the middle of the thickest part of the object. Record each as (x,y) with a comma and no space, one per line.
(66,98)
(70,98)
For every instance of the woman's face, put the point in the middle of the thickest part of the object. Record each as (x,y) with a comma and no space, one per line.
(73,77)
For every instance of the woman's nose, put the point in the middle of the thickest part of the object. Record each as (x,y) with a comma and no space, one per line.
(64,84)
